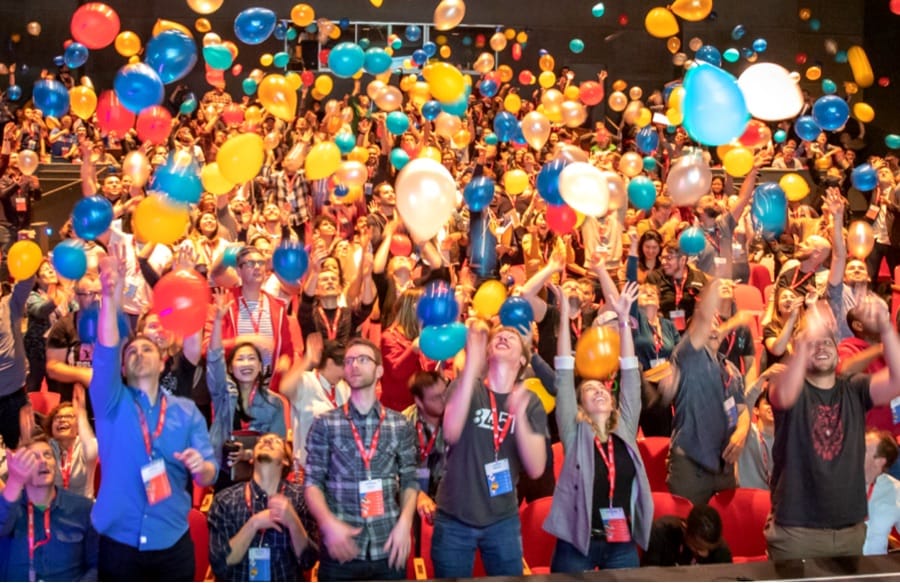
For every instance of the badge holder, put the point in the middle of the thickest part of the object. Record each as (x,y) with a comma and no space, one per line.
(156,481)
(678,319)
(260,563)
(371,498)
(499,478)
(615,525)
(731,412)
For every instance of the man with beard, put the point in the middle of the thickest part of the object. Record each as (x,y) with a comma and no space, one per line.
(259,530)
(679,285)
(718,229)
(818,478)
(383,208)
(429,392)
(361,478)
(803,277)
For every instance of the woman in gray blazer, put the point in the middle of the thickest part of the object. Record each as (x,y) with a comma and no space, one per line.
(602,507)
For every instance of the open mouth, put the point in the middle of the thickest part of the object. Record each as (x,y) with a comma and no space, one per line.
(45,472)
(247,370)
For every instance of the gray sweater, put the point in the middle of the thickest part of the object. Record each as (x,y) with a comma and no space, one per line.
(13,366)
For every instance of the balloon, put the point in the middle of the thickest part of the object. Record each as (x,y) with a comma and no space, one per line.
(254,25)
(399,158)
(159,221)
(33,28)
(69,259)
(179,178)
(75,55)
(505,125)
(154,124)
(830,112)
(426,197)
(515,181)
(617,101)
(892,141)
(806,128)
(217,57)
(647,139)
(448,14)
(138,86)
(14,92)
(863,112)
(189,105)
(709,54)
(137,168)
(51,97)
(112,116)
(345,141)
(376,61)
(400,245)
(87,324)
(584,188)
(771,92)
(322,161)
(516,312)
(561,219)
(642,193)
(590,93)
(631,164)
(795,186)
(489,299)
(290,261)
(692,241)
(689,178)
(756,134)
(278,98)
(389,99)
(576,45)
(573,114)
(860,66)
(91,217)
(346,59)
(769,209)
(713,107)
(213,181)
(536,129)
(512,103)
(779,136)
(660,23)
(205,6)
(241,157)
(163,25)
(738,161)
(597,353)
(82,101)
(445,81)
(172,54)
(438,305)
(548,401)
(302,15)
(498,41)
(860,239)
(24,259)
(95,25)
(692,10)
(181,299)
(28,162)
(442,342)
(864,177)
(479,193)
(232,114)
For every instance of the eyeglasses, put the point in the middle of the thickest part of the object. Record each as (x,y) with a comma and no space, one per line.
(254,263)
(669,257)
(362,359)
(64,417)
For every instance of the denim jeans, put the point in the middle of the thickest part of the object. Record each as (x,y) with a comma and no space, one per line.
(454,543)
(602,555)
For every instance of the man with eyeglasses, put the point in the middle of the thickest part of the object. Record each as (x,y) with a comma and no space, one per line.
(361,478)
(818,477)
(679,285)
(260,530)
(69,360)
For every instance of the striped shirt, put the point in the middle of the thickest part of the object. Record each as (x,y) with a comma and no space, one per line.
(256,319)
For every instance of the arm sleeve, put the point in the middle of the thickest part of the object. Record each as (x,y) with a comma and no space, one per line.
(106,383)
(566,407)
(219,538)
(406,457)
(317,453)
(544,373)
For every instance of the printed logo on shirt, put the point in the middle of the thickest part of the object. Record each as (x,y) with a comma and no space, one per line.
(827,431)
(483,420)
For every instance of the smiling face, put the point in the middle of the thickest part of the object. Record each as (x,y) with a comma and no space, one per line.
(153,329)
(245,365)
(596,399)
(64,426)
(648,295)
(271,449)
(209,225)
(786,300)
(47,275)
(506,346)
(823,357)
(856,272)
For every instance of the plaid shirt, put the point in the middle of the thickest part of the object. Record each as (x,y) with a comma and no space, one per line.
(281,190)
(334,465)
(229,513)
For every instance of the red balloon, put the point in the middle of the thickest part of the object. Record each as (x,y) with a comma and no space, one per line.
(756,135)
(526,77)
(233,114)
(400,245)
(323,56)
(561,219)
(112,115)
(95,25)
(181,299)
(154,124)
(590,93)
(236,70)
(308,78)
(480,39)
(895,7)
(516,51)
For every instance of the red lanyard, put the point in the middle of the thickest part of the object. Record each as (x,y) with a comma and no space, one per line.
(870,489)
(373,446)
(794,283)
(259,314)
(425,450)
(262,532)
(657,340)
(679,291)
(610,460)
(332,326)
(575,325)
(145,429)
(67,466)
(499,434)
(32,545)
(330,395)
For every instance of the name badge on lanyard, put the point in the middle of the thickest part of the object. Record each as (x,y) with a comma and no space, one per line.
(499,478)
(678,319)
(371,498)
(260,563)
(156,481)
(731,412)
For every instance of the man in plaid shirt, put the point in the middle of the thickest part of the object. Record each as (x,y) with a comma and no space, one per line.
(361,478)
(288,189)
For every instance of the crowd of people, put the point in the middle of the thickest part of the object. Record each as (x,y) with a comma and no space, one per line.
(328,434)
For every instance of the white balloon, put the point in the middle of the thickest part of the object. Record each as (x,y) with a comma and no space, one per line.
(689,178)
(618,192)
(584,188)
(426,197)
(771,92)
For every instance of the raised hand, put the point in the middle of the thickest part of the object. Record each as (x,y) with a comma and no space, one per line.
(621,305)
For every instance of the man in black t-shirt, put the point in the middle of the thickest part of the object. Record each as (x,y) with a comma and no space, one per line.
(69,360)
(819,496)
(679,285)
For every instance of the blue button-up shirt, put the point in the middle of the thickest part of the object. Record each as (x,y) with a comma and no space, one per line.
(122,511)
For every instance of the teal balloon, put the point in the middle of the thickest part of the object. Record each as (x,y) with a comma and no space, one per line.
(291,34)
(769,208)
(189,105)
(364,43)
(457,108)
(179,182)
(598,10)
(376,61)
(714,108)
(249,86)
(642,193)
(491,139)
(218,57)
(172,54)
(829,87)
(442,342)
(731,55)
(229,256)
(649,163)
(576,45)
(399,158)
(345,141)
(397,122)
(254,25)
(346,59)
(281,59)
(692,241)
(892,141)
(138,87)
(779,136)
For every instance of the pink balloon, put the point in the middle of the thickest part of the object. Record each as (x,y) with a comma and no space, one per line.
(112,115)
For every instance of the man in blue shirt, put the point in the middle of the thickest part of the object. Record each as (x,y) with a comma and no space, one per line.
(63,546)
(150,445)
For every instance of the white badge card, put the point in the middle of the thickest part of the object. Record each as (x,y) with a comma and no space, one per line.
(371,498)
(615,525)
(655,362)
(260,563)
(499,479)
(156,481)
(731,412)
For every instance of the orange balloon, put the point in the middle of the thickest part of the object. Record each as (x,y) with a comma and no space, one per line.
(597,353)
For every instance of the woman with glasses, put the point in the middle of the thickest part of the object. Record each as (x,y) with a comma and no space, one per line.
(74,445)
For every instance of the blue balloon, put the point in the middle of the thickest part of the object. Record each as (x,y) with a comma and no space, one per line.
(249,86)
(548,182)
(399,158)
(413,33)
(488,87)
(91,217)
(505,125)
(779,136)
(138,87)
(59,60)
(442,342)
(289,261)
(345,141)
(346,59)
(376,61)
(89,318)
(864,177)
(218,57)
(647,139)
(189,105)
(467,41)
(281,59)
(419,57)
(281,29)
(14,92)
(769,209)
(172,54)
(69,259)
(516,312)
(709,54)
(642,193)
(431,109)
(76,55)
(691,241)
(738,32)
(178,180)
(829,87)
(51,97)
(438,305)
(760,45)
(806,128)
(479,193)
(747,53)
(430,49)
(482,246)
(714,108)
(254,25)
(341,190)
(344,23)
(396,122)
(830,112)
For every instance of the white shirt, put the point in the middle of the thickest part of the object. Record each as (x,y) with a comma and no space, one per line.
(138,295)
(884,514)
(310,399)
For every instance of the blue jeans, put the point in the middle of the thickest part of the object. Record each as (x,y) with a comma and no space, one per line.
(454,543)
(602,555)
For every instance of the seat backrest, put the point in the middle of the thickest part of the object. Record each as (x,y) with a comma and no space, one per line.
(654,451)
(43,401)
(537,544)
(748,297)
(559,457)
(200,535)
(744,512)
(666,504)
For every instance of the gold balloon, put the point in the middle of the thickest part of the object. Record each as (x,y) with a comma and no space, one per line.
(448,14)
(574,114)
(695,43)
(505,72)
(352,174)
(127,43)
(632,112)
(33,28)
(860,239)
(673,44)
(447,125)
(137,167)
(202,25)
(163,25)
(535,129)
(277,97)
(498,41)
(619,85)
(211,38)
(324,84)
(692,10)
(552,98)
(547,63)
(82,101)
(635,93)
(302,15)
(205,6)
(389,99)
(484,63)
(373,88)
(617,101)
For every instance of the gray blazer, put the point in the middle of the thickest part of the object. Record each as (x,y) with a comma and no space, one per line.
(570,514)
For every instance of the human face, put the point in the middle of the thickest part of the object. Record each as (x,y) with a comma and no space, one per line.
(873,465)
(154,330)
(252,267)
(823,358)
(765,413)
(786,302)
(433,400)
(264,246)
(596,398)
(328,284)
(209,226)
(270,448)
(45,472)
(142,359)
(672,263)
(648,296)
(387,195)
(64,426)
(360,369)
(650,249)
(112,186)
(506,346)
(326,229)
(717,186)
(245,365)
(87,292)
(572,292)
(271,213)
(856,272)
(47,275)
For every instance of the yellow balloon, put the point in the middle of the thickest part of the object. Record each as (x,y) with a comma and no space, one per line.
(512,103)
(509,33)
(461,139)
(794,186)
(505,72)
(522,37)
(324,84)
(597,353)
(127,43)
(205,6)
(738,161)
(213,181)
(676,97)
(335,33)
(445,51)
(619,85)
(24,259)
(515,181)
(571,93)
(661,23)
(302,15)
(253,115)
(489,298)
(163,25)
(547,79)
(432,153)
(673,44)
(860,66)
(277,96)
(322,161)
(863,112)
(547,400)
(814,73)
(644,117)
(82,101)
(547,63)
(440,40)
(359,154)
(675,116)
(241,157)
(445,82)
(156,220)
(294,80)
(202,25)
(693,10)
(266,59)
